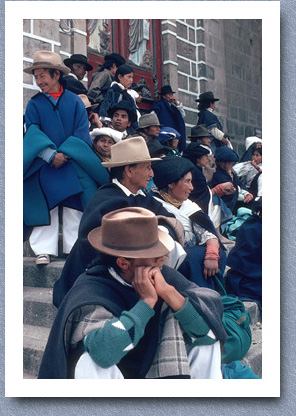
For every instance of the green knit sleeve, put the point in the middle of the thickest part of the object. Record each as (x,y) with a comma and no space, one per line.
(108,345)
(194,325)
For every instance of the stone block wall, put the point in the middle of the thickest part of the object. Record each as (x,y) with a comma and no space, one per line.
(223,56)
(183,57)
(62,36)
(233,55)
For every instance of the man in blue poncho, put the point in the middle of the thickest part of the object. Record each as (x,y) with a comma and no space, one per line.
(170,113)
(60,169)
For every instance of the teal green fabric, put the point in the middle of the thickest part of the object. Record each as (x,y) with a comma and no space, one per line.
(230,227)
(87,165)
(194,325)
(118,336)
(236,321)
(236,370)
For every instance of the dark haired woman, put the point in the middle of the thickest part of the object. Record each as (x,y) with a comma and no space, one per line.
(119,90)
(205,254)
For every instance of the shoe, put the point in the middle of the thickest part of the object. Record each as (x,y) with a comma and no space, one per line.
(43,259)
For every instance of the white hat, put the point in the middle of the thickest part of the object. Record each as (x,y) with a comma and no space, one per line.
(106,131)
(251,140)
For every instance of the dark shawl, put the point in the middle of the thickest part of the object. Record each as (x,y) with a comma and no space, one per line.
(222,176)
(169,116)
(107,198)
(74,85)
(244,279)
(210,120)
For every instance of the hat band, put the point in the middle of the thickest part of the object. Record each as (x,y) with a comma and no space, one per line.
(45,63)
(123,248)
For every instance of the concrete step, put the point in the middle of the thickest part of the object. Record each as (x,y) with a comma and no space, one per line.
(255,312)
(42,275)
(253,358)
(35,339)
(38,307)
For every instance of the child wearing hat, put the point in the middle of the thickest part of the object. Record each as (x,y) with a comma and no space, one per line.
(225,158)
(169,138)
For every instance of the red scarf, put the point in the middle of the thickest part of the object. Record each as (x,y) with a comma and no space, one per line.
(56,95)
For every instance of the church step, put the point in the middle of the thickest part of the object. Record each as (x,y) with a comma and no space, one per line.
(255,312)
(35,339)
(253,358)
(42,275)
(38,307)
(28,252)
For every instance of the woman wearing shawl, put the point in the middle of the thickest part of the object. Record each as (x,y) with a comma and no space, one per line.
(173,177)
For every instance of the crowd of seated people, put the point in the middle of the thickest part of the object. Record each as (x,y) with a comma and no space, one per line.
(108,156)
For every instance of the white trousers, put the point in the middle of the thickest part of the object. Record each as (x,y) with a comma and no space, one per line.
(204,362)
(44,239)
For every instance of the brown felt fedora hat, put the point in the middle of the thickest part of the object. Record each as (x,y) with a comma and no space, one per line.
(86,102)
(47,60)
(128,152)
(131,232)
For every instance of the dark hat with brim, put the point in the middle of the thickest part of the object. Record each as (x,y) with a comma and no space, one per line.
(115,57)
(199,131)
(131,232)
(78,58)
(171,169)
(166,89)
(225,154)
(124,105)
(195,150)
(156,149)
(207,96)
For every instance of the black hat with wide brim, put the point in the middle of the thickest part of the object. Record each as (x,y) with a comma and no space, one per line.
(78,58)
(166,89)
(207,96)
(124,105)
(115,57)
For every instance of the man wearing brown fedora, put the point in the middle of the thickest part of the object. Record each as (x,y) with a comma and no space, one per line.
(130,316)
(78,65)
(130,172)
(60,169)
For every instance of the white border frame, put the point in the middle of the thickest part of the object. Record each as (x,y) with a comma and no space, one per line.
(269,385)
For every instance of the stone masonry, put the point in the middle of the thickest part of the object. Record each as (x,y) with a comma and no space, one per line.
(223,56)
(61,36)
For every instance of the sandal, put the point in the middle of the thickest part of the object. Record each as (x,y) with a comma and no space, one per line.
(43,259)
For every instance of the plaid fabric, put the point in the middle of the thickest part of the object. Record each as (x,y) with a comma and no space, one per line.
(170,358)
(84,320)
